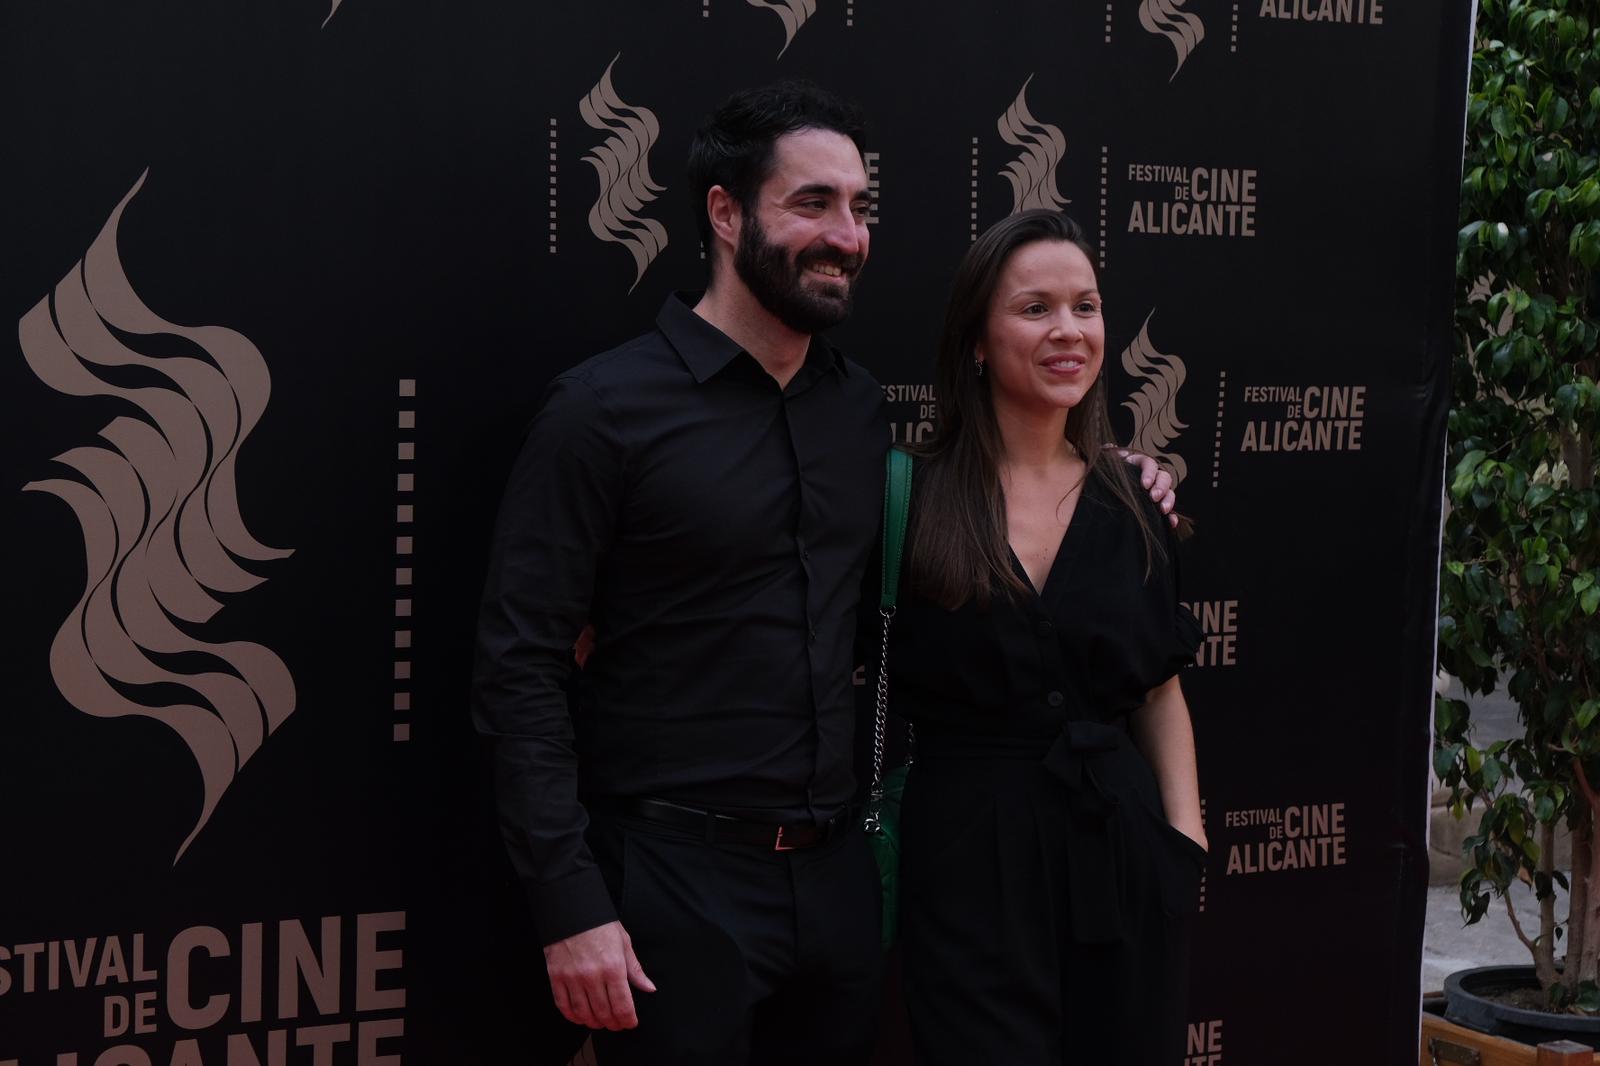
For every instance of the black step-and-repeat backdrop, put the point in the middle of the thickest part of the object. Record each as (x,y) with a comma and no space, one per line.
(287,279)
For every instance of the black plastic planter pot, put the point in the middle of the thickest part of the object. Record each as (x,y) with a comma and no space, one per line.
(1464,993)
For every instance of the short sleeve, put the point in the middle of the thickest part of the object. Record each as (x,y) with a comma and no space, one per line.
(1186,633)
(1168,637)
(1186,638)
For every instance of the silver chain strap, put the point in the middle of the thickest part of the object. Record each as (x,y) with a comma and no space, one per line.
(880,721)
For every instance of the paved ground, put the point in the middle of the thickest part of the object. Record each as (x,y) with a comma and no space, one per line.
(1493,717)
(1447,945)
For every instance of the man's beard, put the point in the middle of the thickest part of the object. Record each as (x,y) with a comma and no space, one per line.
(777,281)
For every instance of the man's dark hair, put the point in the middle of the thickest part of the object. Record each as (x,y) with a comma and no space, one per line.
(734,147)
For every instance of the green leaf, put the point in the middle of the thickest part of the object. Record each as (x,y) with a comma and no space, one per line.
(1494,312)
(1466,471)
(1583,243)
(1447,715)
(1589,248)
(1501,121)
(1500,362)
(1557,114)
(1590,599)
(1567,400)
(1444,759)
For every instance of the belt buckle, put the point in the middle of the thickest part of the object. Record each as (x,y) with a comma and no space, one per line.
(778,844)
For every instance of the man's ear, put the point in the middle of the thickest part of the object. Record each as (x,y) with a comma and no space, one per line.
(726,218)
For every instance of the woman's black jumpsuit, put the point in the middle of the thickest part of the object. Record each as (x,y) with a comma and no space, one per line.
(1045,896)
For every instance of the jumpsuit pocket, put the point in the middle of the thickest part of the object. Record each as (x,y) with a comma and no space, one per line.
(1181,863)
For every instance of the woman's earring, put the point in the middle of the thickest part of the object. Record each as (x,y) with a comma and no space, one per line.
(978,365)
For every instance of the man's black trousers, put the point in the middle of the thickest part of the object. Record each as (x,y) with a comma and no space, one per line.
(758,956)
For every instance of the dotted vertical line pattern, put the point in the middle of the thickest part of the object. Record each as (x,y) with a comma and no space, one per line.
(553,142)
(404,547)
(1105,185)
(1233,41)
(1216,440)
(1202,869)
(849,12)
(1109,8)
(973,178)
(874,186)
(705,9)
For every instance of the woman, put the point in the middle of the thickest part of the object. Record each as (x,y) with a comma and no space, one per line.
(1052,836)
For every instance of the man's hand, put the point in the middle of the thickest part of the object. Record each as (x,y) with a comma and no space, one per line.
(1153,476)
(589,976)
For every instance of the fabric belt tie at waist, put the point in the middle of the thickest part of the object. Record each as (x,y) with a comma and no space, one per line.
(1093,844)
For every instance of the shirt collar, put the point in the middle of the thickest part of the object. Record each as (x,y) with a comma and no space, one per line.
(706,350)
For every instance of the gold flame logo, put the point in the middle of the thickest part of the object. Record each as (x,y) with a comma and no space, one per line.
(623,165)
(159,509)
(793,14)
(1155,405)
(1182,28)
(1032,174)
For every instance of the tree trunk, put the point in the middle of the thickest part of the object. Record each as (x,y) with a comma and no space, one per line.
(1585,953)
(1544,955)
(1577,451)
(1577,903)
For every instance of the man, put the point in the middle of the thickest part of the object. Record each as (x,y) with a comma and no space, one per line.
(706,495)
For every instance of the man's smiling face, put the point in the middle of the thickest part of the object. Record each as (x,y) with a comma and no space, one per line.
(804,240)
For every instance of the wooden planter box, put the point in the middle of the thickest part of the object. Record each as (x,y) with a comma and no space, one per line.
(1448,1044)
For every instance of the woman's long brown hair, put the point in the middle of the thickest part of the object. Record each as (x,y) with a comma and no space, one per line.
(959,547)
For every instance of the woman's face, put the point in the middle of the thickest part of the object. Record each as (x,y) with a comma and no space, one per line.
(1044,340)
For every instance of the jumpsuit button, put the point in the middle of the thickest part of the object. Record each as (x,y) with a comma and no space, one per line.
(1042,627)
(1055,699)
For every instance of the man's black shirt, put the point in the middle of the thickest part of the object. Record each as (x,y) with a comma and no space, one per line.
(713,527)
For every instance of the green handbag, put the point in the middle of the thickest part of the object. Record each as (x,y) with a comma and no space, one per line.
(883,803)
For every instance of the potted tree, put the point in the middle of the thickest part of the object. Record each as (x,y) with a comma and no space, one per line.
(1521,583)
